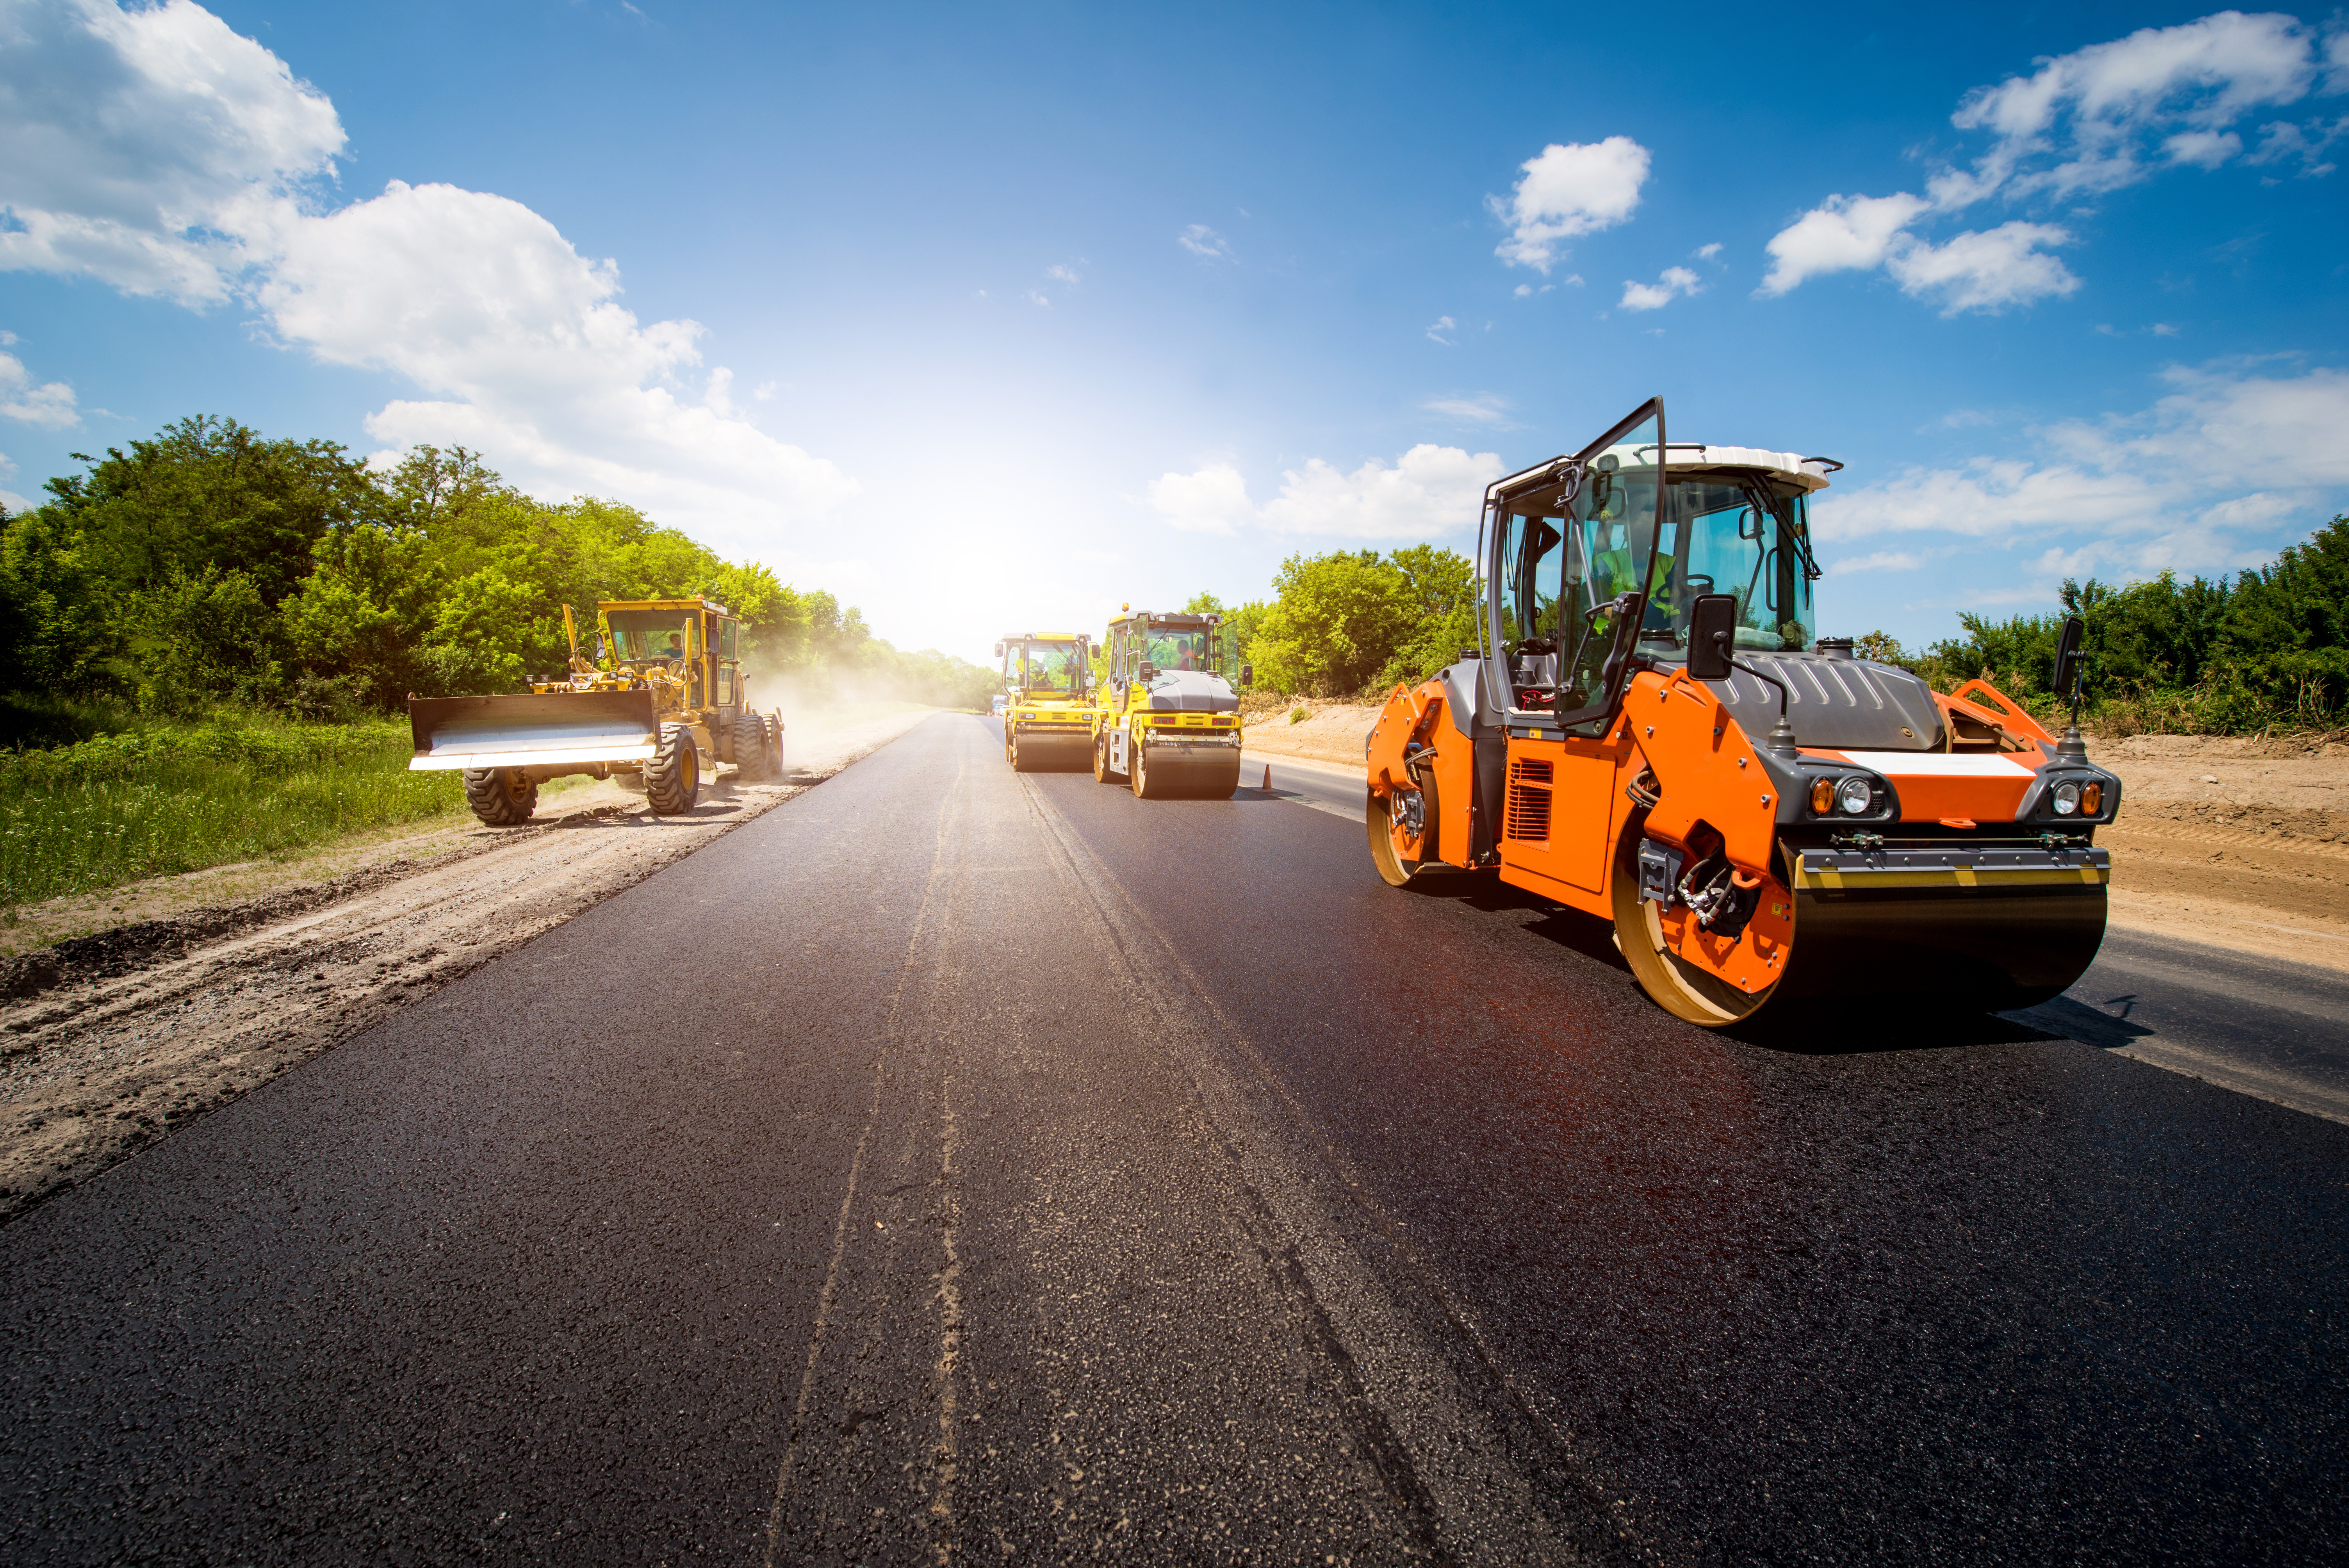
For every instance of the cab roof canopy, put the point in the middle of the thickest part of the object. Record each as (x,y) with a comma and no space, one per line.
(1165,618)
(1536,487)
(694,604)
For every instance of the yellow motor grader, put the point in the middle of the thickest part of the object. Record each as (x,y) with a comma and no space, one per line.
(1651,732)
(1047,718)
(663,697)
(1167,718)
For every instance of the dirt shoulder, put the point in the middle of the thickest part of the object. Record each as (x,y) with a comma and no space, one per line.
(2238,843)
(167,999)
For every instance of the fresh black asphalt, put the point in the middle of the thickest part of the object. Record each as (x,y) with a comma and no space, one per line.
(959,1164)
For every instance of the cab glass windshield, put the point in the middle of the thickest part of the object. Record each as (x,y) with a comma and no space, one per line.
(1178,648)
(1039,666)
(641,634)
(1742,539)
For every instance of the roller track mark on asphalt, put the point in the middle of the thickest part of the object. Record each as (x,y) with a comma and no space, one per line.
(950,1327)
(1429,1434)
(949,804)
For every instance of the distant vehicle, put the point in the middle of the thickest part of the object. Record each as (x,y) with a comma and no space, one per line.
(1045,726)
(663,698)
(1000,701)
(1167,722)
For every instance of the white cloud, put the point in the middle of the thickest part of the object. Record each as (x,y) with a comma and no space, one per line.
(2191,484)
(2284,140)
(1986,272)
(1676,284)
(2203,149)
(1570,189)
(162,153)
(1881,560)
(1842,234)
(1431,491)
(1484,408)
(8,497)
(1442,323)
(1201,240)
(50,403)
(1706,252)
(2082,124)
(1037,297)
(1213,500)
(1066,274)
(153,148)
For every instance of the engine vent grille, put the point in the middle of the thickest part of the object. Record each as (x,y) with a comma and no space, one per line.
(1528,818)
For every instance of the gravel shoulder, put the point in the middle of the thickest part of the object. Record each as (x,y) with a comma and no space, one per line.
(2236,842)
(150,1005)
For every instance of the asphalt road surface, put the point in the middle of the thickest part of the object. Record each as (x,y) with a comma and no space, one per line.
(958,1164)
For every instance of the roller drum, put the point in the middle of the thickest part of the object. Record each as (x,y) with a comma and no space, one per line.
(1052,751)
(1180,772)
(1985,948)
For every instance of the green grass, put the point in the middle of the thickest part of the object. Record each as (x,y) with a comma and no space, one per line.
(152,802)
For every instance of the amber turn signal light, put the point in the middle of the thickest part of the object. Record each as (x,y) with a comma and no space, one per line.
(1822,797)
(2092,798)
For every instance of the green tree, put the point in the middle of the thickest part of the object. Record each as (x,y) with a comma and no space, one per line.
(1335,622)
(1444,594)
(212,493)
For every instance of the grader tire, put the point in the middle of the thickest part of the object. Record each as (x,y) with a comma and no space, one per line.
(752,752)
(501,797)
(673,774)
(775,733)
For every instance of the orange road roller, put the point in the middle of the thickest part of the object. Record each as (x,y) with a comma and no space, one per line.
(1651,732)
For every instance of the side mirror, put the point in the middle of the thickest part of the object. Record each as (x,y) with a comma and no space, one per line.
(1713,632)
(2067,659)
(1149,672)
(1248,674)
(999,650)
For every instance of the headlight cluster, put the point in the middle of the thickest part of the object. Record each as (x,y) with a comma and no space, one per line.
(1853,796)
(2072,798)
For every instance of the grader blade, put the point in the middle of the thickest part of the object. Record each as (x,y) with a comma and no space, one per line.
(548,729)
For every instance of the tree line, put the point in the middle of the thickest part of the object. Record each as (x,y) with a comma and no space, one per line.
(2266,649)
(211,565)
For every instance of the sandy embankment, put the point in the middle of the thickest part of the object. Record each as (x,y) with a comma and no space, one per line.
(179,999)
(2241,843)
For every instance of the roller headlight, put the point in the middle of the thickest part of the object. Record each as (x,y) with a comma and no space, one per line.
(2067,798)
(1822,797)
(2092,798)
(1854,796)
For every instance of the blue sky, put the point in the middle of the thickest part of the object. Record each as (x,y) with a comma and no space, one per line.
(993,317)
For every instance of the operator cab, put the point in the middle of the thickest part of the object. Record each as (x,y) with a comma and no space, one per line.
(1578,537)
(1043,666)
